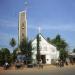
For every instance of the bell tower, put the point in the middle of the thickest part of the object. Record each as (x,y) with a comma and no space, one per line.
(22,27)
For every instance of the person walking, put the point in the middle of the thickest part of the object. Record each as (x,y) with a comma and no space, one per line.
(6,65)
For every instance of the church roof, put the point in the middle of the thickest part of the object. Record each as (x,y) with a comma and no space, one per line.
(43,38)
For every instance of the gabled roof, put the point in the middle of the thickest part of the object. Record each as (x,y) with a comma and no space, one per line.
(43,38)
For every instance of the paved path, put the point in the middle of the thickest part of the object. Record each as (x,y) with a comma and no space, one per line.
(47,70)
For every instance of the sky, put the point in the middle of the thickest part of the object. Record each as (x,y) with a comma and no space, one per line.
(52,16)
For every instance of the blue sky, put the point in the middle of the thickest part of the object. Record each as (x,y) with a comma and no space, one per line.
(53,16)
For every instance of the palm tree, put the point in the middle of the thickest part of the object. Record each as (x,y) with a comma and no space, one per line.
(13,43)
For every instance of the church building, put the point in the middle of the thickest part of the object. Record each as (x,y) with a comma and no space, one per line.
(48,52)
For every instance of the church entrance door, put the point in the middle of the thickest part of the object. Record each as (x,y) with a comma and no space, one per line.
(43,58)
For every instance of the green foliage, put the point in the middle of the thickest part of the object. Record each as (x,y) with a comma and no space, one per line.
(12,42)
(4,56)
(61,46)
(24,46)
(48,39)
(5,51)
(14,55)
(1,58)
(63,54)
(30,45)
(74,50)
(59,43)
(29,49)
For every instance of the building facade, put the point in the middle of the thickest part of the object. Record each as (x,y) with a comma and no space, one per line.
(48,52)
(22,27)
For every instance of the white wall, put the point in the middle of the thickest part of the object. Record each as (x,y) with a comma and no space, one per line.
(46,49)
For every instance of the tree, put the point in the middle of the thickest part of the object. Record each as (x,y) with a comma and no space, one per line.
(1,58)
(29,47)
(14,54)
(24,46)
(61,46)
(63,54)
(13,43)
(59,43)
(48,39)
(5,55)
(29,52)
(38,49)
(74,50)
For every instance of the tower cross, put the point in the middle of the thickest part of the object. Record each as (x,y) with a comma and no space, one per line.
(26,5)
(39,29)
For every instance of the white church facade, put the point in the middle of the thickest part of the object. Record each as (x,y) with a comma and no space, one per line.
(48,52)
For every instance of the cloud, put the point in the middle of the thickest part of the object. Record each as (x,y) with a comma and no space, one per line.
(60,28)
(6,23)
(68,28)
(5,37)
(32,27)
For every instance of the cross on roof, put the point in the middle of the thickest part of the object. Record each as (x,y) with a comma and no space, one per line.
(39,29)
